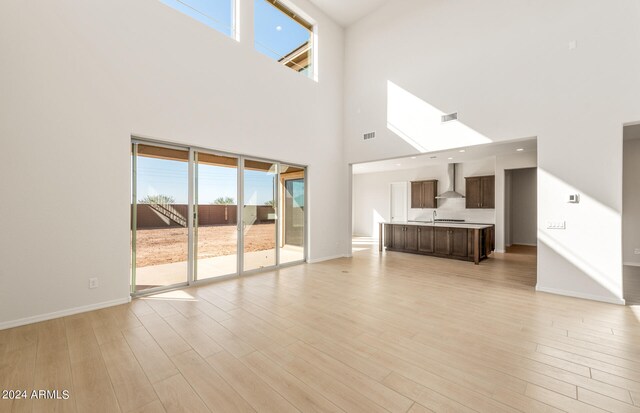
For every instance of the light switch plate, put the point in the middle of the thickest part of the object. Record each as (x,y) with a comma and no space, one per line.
(636,251)
(556,225)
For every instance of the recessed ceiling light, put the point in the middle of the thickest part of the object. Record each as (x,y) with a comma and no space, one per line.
(462,151)
(398,164)
(413,157)
(450,158)
(520,149)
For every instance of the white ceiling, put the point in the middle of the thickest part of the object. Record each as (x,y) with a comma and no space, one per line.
(472,153)
(346,12)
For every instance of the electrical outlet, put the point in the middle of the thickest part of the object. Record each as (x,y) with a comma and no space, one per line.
(93,283)
(636,251)
(556,225)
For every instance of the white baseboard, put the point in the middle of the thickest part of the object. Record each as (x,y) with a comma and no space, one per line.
(500,251)
(631,264)
(619,301)
(333,257)
(62,313)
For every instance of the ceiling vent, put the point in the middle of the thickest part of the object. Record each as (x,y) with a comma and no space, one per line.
(450,117)
(369,135)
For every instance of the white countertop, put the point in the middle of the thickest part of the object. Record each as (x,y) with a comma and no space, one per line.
(442,224)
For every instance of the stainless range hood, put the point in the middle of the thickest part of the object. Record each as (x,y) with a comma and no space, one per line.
(451,189)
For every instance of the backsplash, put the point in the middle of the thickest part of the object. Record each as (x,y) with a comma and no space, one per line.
(454,209)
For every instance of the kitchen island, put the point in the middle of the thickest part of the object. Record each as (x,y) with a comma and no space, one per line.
(461,241)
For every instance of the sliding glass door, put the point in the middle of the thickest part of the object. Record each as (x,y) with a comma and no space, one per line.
(160,204)
(259,214)
(216,226)
(292,200)
(198,215)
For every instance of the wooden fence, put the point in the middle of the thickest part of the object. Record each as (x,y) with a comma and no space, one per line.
(208,215)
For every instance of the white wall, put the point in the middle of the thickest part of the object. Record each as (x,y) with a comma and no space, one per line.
(506,67)
(631,206)
(78,78)
(371,195)
(523,229)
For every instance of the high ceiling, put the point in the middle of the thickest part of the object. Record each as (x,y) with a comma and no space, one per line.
(346,12)
(473,153)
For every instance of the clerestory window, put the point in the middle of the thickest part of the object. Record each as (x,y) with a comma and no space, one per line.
(283,35)
(217,14)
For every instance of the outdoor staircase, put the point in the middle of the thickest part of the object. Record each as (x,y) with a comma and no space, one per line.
(169,212)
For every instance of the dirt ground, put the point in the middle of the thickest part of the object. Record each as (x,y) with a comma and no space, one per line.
(164,246)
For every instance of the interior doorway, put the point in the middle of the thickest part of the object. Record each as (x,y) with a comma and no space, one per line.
(521,212)
(631,214)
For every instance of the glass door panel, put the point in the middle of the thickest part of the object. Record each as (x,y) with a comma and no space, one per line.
(216,231)
(292,197)
(161,182)
(259,214)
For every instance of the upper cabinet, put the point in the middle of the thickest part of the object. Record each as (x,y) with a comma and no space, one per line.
(480,192)
(423,194)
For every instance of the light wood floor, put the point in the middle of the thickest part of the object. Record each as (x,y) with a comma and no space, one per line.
(377,333)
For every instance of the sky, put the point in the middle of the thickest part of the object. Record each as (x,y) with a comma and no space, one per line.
(275,33)
(165,177)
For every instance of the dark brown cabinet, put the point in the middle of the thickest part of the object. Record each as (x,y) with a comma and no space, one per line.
(480,192)
(411,238)
(423,194)
(452,241)
(398,236)
(445,242)
(426,239)
(458,240)
(488,192)
(403,237)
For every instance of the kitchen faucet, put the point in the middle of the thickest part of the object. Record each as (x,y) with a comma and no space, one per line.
(435,214)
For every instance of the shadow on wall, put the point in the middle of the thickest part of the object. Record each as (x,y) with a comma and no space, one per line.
(596,283)
(581,245)
(420,124)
